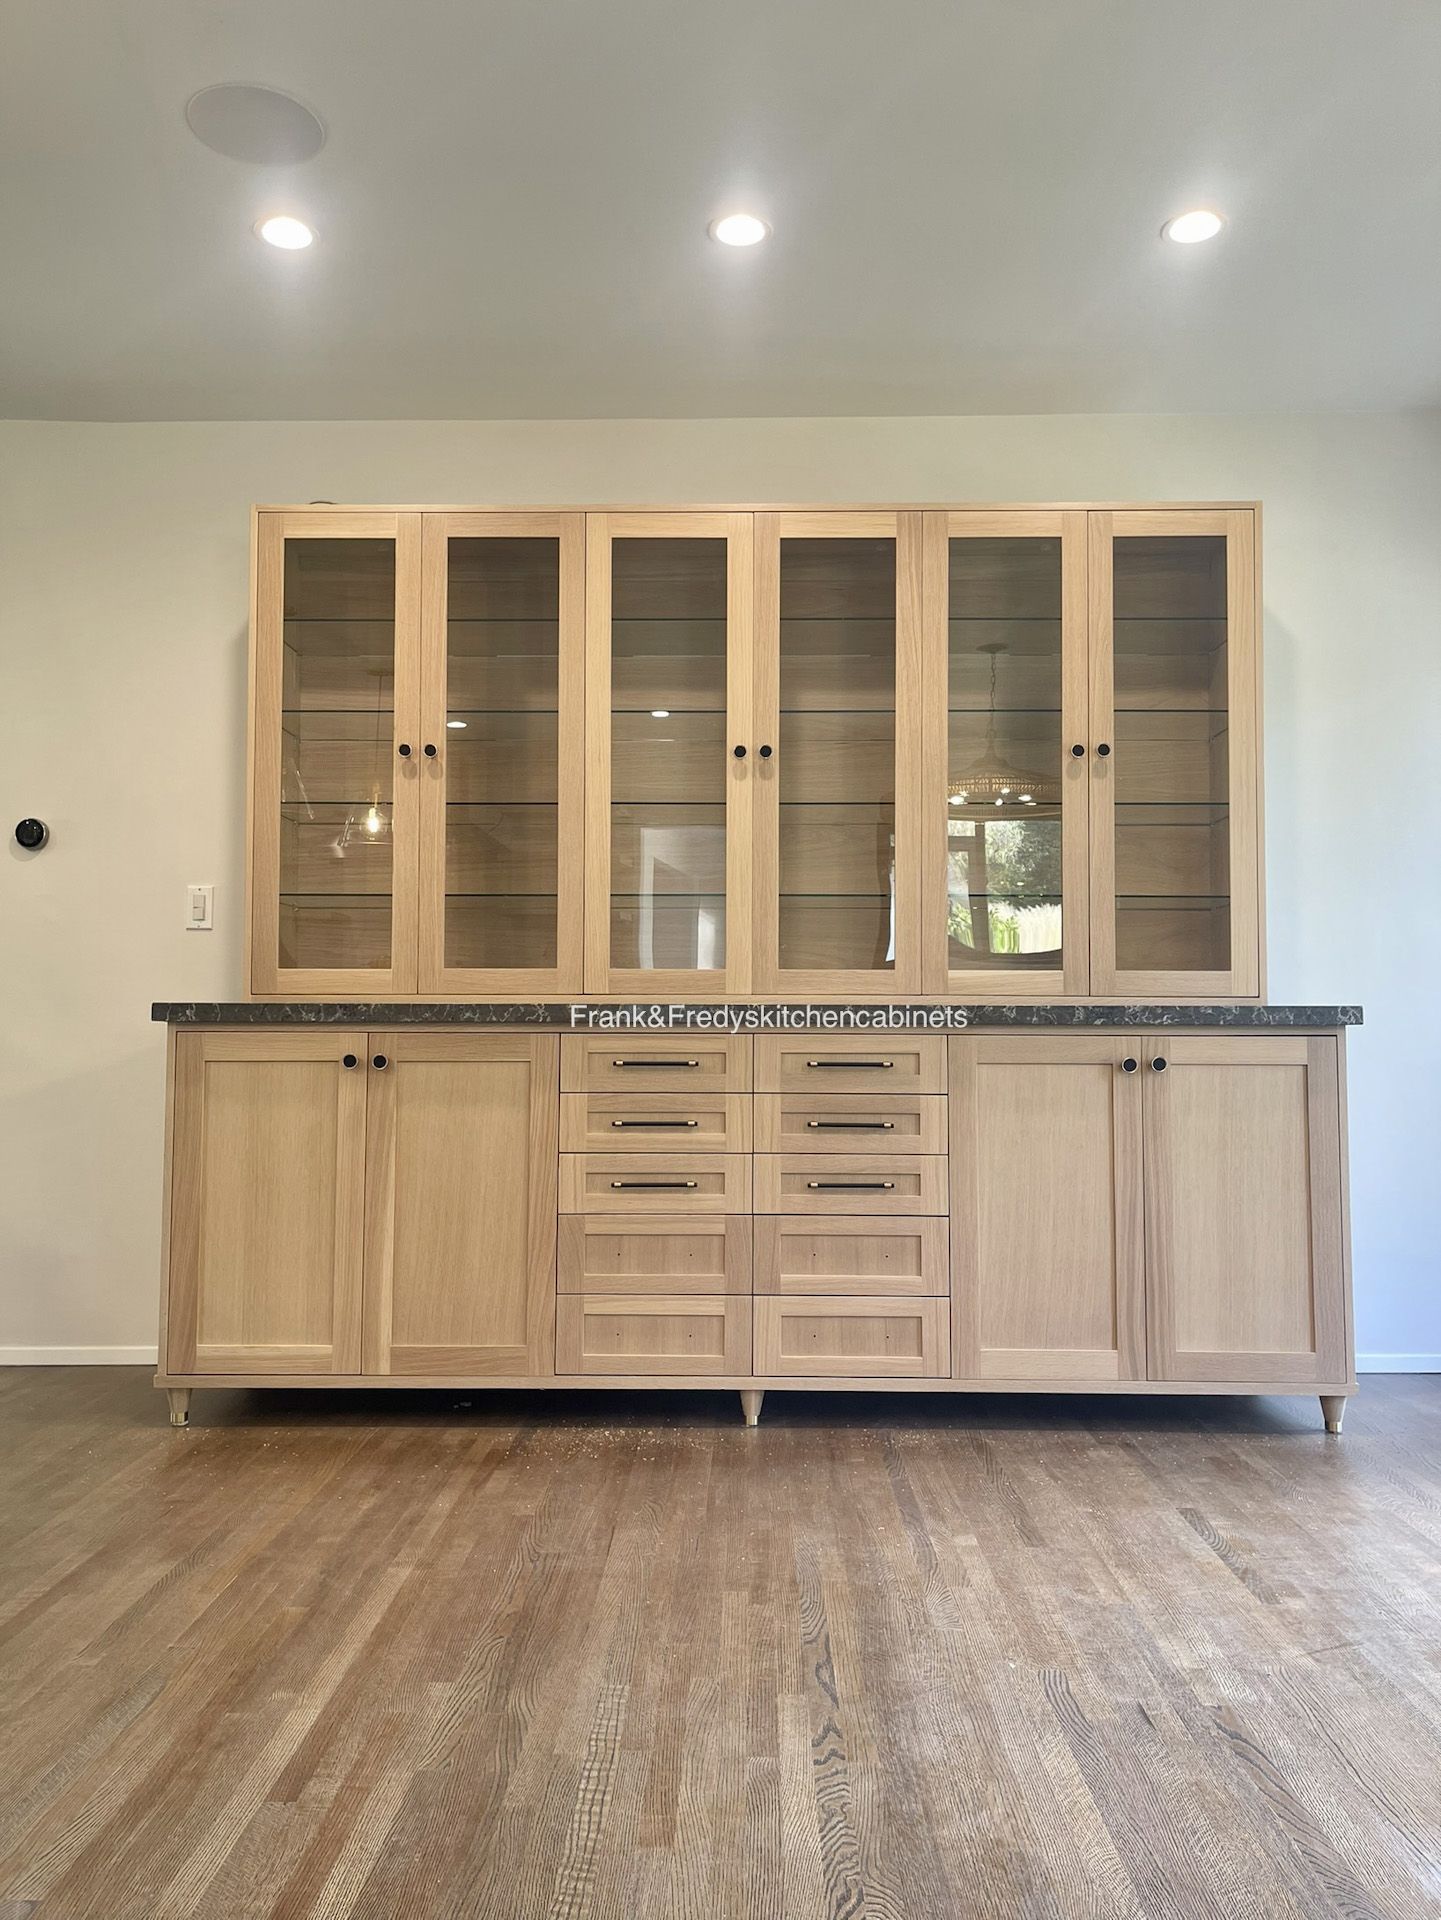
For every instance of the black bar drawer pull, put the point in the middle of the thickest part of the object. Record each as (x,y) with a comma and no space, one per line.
(851,1126)
(851,1186)
(648,1184)
(655,1123)
(844,1066)
(655,1063)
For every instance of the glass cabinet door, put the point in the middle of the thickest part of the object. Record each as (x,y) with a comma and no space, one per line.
(334,752)
(1174,805)
(669,763)
(501,758)
(839,747)
(1006,899)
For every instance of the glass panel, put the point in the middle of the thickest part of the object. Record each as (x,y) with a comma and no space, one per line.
(502,666)
(837,755)
(337,761)
(1003,794)
(1173,907)
(668,754)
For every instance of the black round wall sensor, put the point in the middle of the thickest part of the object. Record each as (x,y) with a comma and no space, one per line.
(32,834)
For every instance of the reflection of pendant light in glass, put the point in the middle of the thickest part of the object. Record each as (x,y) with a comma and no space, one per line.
(372,823)
(992,782)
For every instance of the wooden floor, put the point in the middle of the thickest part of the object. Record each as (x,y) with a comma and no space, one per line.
(394,1655)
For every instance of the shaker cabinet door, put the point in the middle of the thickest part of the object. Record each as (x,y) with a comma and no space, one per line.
(460,1203)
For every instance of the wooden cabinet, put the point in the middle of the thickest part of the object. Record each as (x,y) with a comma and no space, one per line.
(1244,1232)
(348,1202)
(695,753)
(267,1197)
(460,1203)
(1047,1254)
(652,1336)
(851,1337)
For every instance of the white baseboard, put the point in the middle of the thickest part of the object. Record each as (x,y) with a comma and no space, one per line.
(1398,1363)
(77,1356)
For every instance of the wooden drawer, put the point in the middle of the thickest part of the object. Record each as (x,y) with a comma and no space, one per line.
(655,1183)
(850,1123)
(599,1254)
(678,1122)
(612,1063)
(851,1256)
(850,1183)
(652,1334)
(850,1063)
(851,1338)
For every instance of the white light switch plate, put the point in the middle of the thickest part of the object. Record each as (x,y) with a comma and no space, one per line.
(199,909)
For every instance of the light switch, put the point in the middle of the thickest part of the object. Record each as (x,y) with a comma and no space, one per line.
(200,909)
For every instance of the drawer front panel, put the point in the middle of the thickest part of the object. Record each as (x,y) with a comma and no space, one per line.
(655,1183)
(661,1334)
(656,1064)
(905,1258)
(850,1183)
(852,1338)
(676,1122)
(836,1063)
(599,1254)
(850,1123)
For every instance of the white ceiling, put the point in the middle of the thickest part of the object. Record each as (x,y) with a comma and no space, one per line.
(512,203)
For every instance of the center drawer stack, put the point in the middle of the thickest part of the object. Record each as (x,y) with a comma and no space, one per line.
(765,1208)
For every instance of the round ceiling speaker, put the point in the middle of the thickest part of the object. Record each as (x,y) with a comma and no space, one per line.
(258,124)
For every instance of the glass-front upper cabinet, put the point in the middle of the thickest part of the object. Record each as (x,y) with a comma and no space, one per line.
(669,758)
(1005,897)
(838,749)
(501,757)
(335,752)
(1174,800)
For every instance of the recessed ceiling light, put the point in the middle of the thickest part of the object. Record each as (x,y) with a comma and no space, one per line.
(1187,228)
(738,230)
(282,230)
(455,723)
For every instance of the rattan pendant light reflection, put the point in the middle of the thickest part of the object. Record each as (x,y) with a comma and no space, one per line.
(993,783)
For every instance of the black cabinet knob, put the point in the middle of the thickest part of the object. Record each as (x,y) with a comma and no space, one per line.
(348,1060)
(1078,752)
(380,1061)
(1128,1065)
(1103,749)
(404,749)
(765,753)
(740,752)
(430,751)
(31,834)
(1158,1065)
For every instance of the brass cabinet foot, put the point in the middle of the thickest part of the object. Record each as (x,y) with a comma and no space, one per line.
(179,1398)
(1333,1410)
(751,1398)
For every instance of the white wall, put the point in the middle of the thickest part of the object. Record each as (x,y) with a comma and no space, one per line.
(122,641)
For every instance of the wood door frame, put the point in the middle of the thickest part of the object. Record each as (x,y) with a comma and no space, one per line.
(907,529)
(193,1052)
(1320,1054)
(568,530)
(968,1054)
(264,975)
(539,1052)
(1243,980)
(737,530)
(1073,977)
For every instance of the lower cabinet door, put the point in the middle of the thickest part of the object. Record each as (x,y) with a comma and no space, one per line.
(798,1254)
(460,1203)
(599,1254)
(852,1337)
(653,1334)
(1047,1256)
(267,1202)
(1244,1229)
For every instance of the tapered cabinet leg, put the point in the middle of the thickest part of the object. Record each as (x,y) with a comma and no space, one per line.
(1333,1411)
(751,1398)
(179,1398)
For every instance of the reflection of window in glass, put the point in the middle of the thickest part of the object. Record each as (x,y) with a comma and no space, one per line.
(674,931)
(1004,886)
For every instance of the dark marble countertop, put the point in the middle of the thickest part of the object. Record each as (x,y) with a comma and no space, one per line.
(740,1016)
